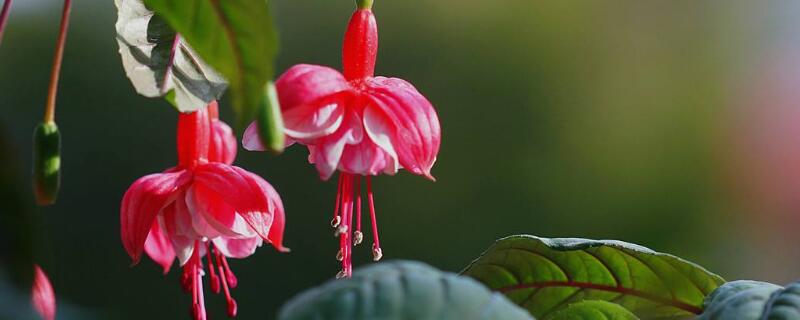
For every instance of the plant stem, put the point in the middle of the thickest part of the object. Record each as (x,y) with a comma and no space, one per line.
(4,18)
(50,111)
(364,4)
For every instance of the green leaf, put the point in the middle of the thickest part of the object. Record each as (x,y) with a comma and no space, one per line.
(543,275)
(593,310)
(160,66)
(401,290)
(753,300)
(237,38)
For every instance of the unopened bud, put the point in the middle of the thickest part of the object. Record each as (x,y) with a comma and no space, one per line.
(358,237)
(46,163)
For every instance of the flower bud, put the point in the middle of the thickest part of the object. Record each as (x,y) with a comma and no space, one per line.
(46,163)
(270,122)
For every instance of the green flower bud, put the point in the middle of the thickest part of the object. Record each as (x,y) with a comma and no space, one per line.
(46,163)
(270,122)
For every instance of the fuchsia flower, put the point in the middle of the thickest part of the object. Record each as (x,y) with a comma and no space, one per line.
(43,298)
(356,123)
(202,207)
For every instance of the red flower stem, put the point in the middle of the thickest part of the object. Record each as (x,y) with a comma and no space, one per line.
(4,18)
(50,111)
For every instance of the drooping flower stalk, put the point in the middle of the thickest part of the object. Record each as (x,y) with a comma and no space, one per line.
(358,124)
(4,18)
(204,206)
(47,138)
(52,92)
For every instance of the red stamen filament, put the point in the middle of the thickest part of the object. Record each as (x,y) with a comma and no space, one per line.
(336,219)
(212,274)
(4,17)
(358,236)
(223,271)
(377,253)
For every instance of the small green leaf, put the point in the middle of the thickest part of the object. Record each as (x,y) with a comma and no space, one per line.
(593,310)
(158,65)
(237,38)
(543,275)
(46,163)
(401,290)
(753,300)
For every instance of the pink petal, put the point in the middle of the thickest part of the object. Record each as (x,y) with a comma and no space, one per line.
(305,84)
(241,191)
(327,152)
(158,247)
(223,143)
(409,121)
(307,122)
(216,213)
(366,158)
(251,141)
(178,225)
(42,296)
(275,236)
(237,248)
(141,204)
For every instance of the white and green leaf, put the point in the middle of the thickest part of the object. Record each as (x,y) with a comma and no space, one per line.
(160,63)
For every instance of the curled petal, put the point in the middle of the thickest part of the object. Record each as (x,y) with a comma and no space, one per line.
(328,150)
(307,122)
(216,213)
(42,296)
(159,247)
(305,84)
(275,236)
(367,158)
(241,191)
(223,143)
(178,225)
(251,141)
(141,204)
(237,248)
(408,120)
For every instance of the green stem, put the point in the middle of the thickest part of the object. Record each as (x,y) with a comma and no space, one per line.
(50,109)
(364,4)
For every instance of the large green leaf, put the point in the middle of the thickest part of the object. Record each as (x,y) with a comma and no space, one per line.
(543,275)
(593,310)
(753,300)
(237,38)
(401,290)
(157,63)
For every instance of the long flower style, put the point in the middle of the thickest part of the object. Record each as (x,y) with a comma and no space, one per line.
(204,207)
(358,124)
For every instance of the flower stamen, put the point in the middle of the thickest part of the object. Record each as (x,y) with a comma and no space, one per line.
(377,253)
(212,274)
(358,237)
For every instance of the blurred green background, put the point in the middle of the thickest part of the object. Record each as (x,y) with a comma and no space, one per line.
(622,119)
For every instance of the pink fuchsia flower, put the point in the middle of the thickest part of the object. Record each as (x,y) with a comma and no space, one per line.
(43,298)
(356,123)
(201,208)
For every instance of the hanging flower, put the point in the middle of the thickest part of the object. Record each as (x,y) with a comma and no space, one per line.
(356,123)
(201,208)
(43,298)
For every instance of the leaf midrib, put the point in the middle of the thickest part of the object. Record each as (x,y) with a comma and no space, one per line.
(618,289)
